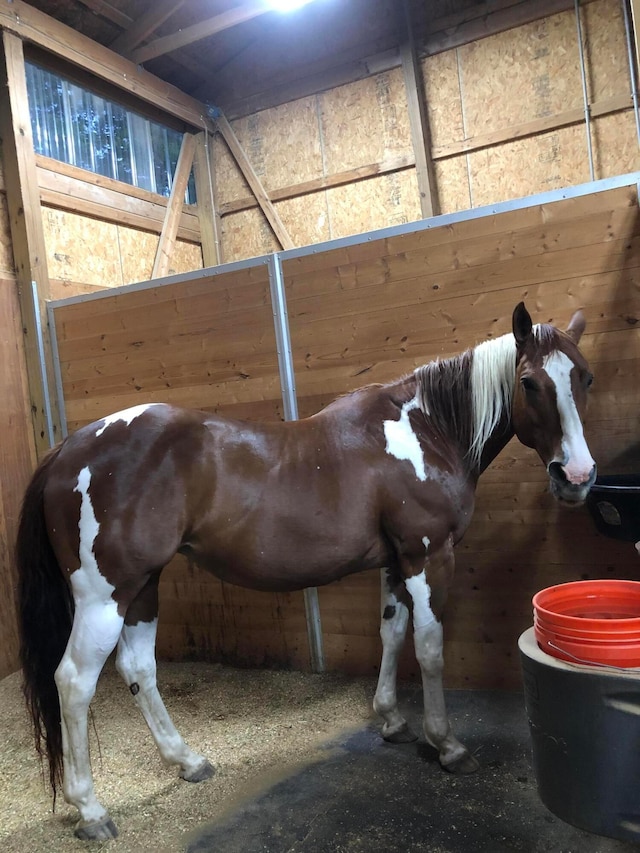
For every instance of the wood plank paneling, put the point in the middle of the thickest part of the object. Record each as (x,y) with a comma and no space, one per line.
(371,312)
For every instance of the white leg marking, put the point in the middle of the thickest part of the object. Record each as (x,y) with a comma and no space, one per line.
(136,664)
(127,415)
(577,463)
(96,628)
(420,592)
(393,630)
(402,441)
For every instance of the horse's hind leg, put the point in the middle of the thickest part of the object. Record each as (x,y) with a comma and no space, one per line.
(393,630)
(136,663)
(95,632)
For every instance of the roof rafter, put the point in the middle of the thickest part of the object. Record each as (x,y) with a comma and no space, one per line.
(197,32)
(146,24)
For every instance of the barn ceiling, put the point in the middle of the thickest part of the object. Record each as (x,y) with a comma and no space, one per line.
(238,55)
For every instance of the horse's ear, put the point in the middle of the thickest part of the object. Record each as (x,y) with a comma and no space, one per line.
(522,324)
(576,326)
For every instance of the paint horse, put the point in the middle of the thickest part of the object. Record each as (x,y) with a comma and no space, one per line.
(383,477)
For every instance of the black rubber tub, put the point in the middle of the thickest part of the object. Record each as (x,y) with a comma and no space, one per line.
(614,504)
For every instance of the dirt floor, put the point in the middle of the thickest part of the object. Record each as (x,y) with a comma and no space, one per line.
(301,768)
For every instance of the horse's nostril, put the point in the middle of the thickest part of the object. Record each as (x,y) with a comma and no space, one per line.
(556,472)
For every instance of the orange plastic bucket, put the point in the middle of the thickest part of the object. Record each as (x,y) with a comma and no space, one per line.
(590,622)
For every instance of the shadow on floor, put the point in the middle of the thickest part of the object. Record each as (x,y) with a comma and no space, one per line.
(366,796)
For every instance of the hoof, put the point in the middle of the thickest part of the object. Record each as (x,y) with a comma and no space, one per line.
(205,771)
(402,735)
(463,765)
(96,830)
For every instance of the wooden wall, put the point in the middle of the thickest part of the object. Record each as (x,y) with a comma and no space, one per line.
(371,312)
(208,343)
(506,120)
(17,452)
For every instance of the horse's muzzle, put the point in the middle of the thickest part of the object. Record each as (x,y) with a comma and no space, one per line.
(566,492)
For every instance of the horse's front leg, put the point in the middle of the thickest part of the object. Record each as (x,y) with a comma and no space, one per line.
(428,641)
(394,619)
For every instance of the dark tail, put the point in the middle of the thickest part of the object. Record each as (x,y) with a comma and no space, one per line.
(45,614)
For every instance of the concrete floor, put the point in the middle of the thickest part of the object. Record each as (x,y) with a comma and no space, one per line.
(366,796)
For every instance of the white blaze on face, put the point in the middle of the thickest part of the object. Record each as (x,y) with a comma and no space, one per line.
(127,415)
(402,441)
(577,462)
(89,586)
(420,592)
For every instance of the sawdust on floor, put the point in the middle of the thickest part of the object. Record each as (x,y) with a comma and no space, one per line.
(253,725)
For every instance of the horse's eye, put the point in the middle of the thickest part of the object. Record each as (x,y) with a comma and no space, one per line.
(588,380)
(529,384)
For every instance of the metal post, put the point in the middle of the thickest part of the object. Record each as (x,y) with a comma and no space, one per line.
(632,66)
(288,386)
(48,414)
(55,355)
(585,94)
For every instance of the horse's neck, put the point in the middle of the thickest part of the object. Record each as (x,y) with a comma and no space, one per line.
(498,440)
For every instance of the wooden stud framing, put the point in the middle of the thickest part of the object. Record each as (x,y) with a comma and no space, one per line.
(205,190)
(174,208)
(419,120)
(27,233)
(199,31)
(254,181)
(144,26)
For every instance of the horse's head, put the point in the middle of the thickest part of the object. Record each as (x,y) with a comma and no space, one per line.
(550,400)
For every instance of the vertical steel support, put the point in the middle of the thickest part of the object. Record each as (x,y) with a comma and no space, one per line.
(48,414)
(290,402)
(632,65)
(585,93)
(55,357)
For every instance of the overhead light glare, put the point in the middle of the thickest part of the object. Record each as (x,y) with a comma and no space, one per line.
(287,5)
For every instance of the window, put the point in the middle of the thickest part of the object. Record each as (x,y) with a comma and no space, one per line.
(84,129)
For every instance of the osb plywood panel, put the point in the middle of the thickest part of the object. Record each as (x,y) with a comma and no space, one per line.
(390,199)
(615,145)
(442,97)
(606,49)
(81,249)
(365,122)
(138,251)
(452,177)
(229,183)
(6,249)
(246,234)
(520,74)
(17,460)
(306,218)
(526,166)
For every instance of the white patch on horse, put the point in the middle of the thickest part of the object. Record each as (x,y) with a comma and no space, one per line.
(577,462)
(402,441)
(127,415)
(87,582)
(426,542)
(420,592)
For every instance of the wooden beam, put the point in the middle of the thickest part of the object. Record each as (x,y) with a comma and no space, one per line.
(169,233)
(418,120)
(204,172)
(349,176)
(197,32)
(144,26)
(27,235)
(79,191)
(254,181)
(108,11)
(34,26)
(531,128)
